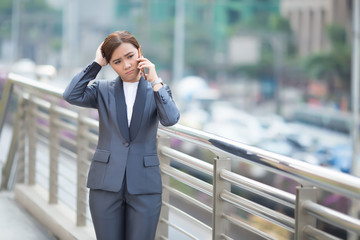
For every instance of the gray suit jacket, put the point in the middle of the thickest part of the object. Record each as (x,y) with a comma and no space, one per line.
(122,149)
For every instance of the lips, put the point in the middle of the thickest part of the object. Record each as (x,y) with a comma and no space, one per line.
(130,72)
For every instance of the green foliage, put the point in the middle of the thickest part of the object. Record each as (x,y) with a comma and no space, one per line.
(267,27)
(337,35)
(5,7)
(326,64)
(5,17)
(200,58)
(39,27)
(279,24)
(333,65)
(36,6)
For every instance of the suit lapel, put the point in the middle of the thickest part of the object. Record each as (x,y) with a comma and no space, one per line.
(138,109)
(121,109)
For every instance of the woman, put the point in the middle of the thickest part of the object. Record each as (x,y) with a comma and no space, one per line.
(124,176)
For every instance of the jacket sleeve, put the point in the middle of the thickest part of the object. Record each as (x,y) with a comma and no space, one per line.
(78,92)
(166,107)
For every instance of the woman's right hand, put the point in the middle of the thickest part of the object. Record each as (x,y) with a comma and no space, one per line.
(99,58)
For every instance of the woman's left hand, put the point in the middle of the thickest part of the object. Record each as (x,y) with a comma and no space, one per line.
(144,63)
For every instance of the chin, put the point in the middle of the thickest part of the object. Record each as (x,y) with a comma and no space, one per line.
(131,79)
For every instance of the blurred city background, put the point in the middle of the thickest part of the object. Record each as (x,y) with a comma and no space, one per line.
(274,74)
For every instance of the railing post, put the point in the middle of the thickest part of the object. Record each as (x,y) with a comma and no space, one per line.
(163,228)
(32,127)
(354,211)
(14,146)
(302,219)
(82,157)
(20,166)
(54,155)
(4,103)
(219,224)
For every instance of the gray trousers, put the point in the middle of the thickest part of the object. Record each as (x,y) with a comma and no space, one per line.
(122,216)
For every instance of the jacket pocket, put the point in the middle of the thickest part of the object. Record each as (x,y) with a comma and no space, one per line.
(150,161)
(101,156)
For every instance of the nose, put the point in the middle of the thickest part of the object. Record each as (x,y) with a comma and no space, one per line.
(127,64)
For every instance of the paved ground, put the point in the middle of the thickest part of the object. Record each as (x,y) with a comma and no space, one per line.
(16,223)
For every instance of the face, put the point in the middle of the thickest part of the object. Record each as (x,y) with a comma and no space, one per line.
(124,62)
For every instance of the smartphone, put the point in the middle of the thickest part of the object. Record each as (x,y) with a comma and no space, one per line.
(142,70)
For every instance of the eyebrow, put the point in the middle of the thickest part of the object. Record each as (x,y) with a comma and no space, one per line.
(124,55)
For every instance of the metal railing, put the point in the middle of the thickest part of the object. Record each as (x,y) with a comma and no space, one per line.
(207,179)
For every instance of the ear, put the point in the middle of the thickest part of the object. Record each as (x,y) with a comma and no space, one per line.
(139,52)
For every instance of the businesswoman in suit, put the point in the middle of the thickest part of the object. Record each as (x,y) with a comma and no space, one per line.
(124,175)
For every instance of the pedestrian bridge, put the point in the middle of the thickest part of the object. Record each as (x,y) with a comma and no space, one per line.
(210,186)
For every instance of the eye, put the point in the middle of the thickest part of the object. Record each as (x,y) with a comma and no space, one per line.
(131,56)
(117,62)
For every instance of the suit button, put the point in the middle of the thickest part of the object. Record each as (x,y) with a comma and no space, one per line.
(126,144)
(163,99)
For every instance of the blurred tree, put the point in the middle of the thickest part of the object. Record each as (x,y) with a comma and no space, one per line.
(39,28)
(40,31)
(199,58)
(208,26)
(5,18)
(274,32)
(159,45)
(333,66)
(37,6)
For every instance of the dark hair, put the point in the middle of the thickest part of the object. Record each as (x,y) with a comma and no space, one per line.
(114,40)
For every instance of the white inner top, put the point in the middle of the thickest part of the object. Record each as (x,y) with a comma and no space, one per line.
(130,89)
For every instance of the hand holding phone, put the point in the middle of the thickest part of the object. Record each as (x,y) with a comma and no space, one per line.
(144,63)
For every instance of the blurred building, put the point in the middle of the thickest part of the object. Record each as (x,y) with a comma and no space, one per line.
(85,23)
(309,19)
(211,28)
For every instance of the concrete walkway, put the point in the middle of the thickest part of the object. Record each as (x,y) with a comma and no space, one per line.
(17,224)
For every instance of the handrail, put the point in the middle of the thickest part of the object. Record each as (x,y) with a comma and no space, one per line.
(15,79)
(329,215)
(35,85)
(327,178)
(269,214)
(317,234)
(261,189)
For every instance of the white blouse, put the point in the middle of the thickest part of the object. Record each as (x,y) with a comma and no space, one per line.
(130,89)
